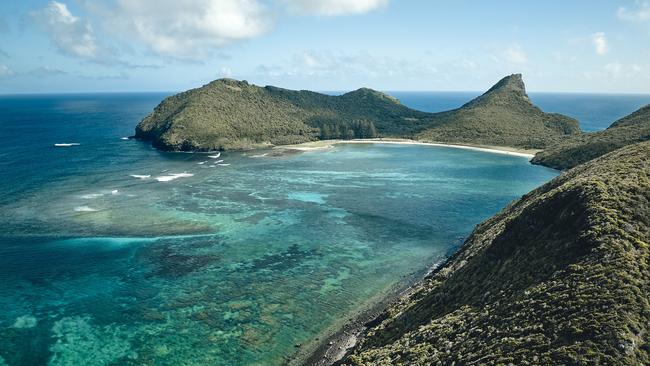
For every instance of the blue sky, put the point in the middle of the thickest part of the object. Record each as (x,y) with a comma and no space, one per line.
(169,45)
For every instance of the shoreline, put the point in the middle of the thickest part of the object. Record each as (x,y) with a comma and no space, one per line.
(334,343)
(328,144)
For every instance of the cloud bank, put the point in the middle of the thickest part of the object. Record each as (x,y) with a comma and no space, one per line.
(640,14)
(71,35)
(194,29)
(185,29)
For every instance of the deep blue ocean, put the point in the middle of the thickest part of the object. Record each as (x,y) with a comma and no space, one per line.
(112,252)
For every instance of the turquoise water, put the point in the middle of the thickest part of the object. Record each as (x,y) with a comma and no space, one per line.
(207,264)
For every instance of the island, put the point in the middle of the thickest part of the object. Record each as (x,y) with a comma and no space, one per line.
(228,114)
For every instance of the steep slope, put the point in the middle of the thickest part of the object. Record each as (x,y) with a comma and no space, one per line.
(559,277)
(503,116)
(579,149)
(230,114)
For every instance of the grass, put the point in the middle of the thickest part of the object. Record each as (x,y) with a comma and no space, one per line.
(559,277)
(229,115)
(584,147)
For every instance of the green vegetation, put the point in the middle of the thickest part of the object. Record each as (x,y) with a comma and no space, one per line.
(230,114)
(561,276)
(581,148)
(355,129)
(503,116)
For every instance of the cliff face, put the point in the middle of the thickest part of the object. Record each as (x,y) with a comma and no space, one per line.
(579,149)
(503,116)
(559,277)
(230,114)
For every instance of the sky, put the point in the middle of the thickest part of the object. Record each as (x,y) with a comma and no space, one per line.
(595,46)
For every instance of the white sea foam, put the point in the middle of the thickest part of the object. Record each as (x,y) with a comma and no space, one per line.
(201,163)
(140,176)
(90,196)
(259,155)
(214,156)
(169,178)
(85,209)
(115,191)
(256,195)
(124,138)
(67,144)
(223,164)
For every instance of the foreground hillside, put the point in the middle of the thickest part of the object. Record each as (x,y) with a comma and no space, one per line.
(503,116)
(228,114)
(559,277)
(581,148)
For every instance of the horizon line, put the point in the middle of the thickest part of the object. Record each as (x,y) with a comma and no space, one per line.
(9,94)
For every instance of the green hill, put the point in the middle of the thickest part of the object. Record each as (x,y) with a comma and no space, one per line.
(560,277)
(503,116)
(229,114)
(579,149)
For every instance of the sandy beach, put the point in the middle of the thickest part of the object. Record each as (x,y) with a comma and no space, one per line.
(327,144)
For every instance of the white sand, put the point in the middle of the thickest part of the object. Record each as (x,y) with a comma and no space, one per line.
(327,144)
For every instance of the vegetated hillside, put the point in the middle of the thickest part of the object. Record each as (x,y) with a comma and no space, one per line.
(579,149)
(503,116)
(559,277)
(230,114)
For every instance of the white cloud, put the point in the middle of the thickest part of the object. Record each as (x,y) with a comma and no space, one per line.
(184,29)
(39,72)
(621,72)
(617,70)
(614,69)
(340,65)
(225,72)
(45,71)
(515,55)
(5,71)
(70,34)
(600,43)
(334,7)
(640,14)
(190,30)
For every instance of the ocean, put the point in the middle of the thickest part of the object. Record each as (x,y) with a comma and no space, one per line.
(112,252)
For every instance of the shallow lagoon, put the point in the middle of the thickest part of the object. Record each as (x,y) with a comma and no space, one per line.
(233,265)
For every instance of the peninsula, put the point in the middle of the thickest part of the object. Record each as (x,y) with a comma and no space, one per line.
(228,115)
